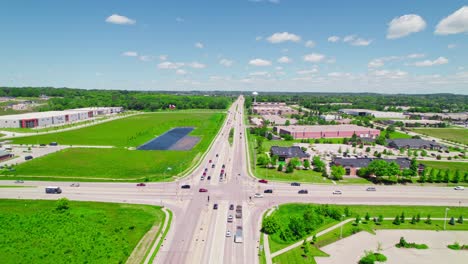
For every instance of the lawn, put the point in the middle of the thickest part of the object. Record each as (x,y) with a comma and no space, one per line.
(296,176)
(34,231)
(459,135)
(395,134)
(443,165)
(131,131)
(297,256)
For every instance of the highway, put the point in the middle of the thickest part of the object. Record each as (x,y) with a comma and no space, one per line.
(198,231)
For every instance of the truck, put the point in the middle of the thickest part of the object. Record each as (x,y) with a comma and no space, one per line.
(53,189)
(238,235)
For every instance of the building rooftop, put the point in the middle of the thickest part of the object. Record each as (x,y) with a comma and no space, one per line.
(413,143)
(38,115)
(325,128)
(364,162)
(289,152)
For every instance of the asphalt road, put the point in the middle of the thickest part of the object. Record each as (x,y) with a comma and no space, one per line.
(198,232)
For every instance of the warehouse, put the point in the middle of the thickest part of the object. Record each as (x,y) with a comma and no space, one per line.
(51,118)
(273,108)
(331,131)
(376,114)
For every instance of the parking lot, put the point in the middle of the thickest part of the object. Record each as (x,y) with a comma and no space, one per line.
(21,152)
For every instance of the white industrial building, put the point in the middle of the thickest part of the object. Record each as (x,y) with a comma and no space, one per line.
(376,114)
(53,118)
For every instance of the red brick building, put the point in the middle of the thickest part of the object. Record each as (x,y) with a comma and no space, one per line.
(330,131)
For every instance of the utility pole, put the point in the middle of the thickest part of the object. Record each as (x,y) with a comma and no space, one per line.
(445,218)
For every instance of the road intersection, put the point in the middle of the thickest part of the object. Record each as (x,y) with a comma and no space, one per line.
(198,232)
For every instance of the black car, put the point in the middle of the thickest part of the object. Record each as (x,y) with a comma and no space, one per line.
(53,144)
(303,192)
(295,184)
(215,206)
(224,166)
(212,166)
(28,157)
(208,178)
(186,186)
(268,191)
(231,207)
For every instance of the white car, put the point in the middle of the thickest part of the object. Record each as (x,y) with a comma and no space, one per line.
(459,188)
(228,233)
(258,195)
(337,192)
(75,185)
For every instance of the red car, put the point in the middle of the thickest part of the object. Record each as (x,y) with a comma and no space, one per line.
(141,184)
(204,174)
(203,190)
(209,161)
(262,181)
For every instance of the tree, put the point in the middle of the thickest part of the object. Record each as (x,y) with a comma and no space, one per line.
(346,211)
(297,227)
(270,136)
(428,220)
(263,159)
(357,220)
(396,221)
(274,159)
(367,217)
(413,220)
(368,149)
(460,220)
(452,221)
(290,167)
(339,150)
(456,177)
(306,163)
(414,166)
(306,248)
(402,217)
(62,204)
(280,167)
(287,123)
(270,225)
(337,172)
(393,169)
(381,218)
(319,165)
(418,218)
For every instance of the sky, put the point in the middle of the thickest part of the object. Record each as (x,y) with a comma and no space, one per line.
(398,46)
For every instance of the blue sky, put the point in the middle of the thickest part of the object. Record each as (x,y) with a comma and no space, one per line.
(400,46)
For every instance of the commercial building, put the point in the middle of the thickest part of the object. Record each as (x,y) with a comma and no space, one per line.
(413,143)
(53,118)
(272,108)
(463,116)
(352,165)
(329,131)
(278,120)
(414,123)
(376,114)
(5,155)
(285,154)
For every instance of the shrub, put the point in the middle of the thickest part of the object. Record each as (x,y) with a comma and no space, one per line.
(452,221)
(62,204)
(460,220)
(371,257)
(396,221)
(428,220)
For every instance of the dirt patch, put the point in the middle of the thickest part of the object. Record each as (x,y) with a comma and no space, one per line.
(167,140)
(186,143)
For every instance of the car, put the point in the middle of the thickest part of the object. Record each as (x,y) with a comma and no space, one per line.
(29,157)
(19,181)
(185,186)
(222,171)
(268,191)
(337,192)
(206,169)
(212,166)
(202,190)
(231,207)
(42,145)
(303,192)
(224,166)
(371,189)
(53,144)
(262,181)
(230,219)
(228,233)
(202,178)
(204,174)
(209,178)
(295,184)
(75,184)
(258,195)
(209,161)
(217,155)
(215,206)
(141,184)
(459,188)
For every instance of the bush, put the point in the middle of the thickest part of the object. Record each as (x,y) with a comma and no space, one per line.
(396,221)
(62,204)
(371,257)
(460,220)
(404,244)
(452,221)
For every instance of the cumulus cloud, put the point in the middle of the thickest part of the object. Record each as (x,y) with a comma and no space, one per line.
(259,73)
(145,58)
(428,63)
(310,44)
(314,57)
(120,20)
(455,23)
(196,65)
(199,45)
(416,56)
(361,42)
(376,63)
(260,62)
(403,26)
(333,39)
(226,62)
(389,74)
(181,72)
(130,54)
(306,72)
(163,57)
(284,59)
(339,74)
(258,38)
(167,65)
(283,37)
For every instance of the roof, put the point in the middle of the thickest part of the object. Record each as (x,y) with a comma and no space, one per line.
(47,114)
(413,142)
(326,128)
(289,152)
(4,153)
(364,162)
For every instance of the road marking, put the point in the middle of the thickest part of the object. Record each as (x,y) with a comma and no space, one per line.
(218,237)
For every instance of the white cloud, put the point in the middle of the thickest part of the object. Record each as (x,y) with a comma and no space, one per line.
(130,54)
(282,37)
(310,44)
(306,72)
(376,63)
(389,74)
(339,74)
(284,59)
(163,57)
(428,63)
(145,58)
(314,57)
(349,38)
(361,42)
(199,45)
(416,56)
(258,38)
(181,72)
(403,26)
(226,62)
(260,62)
(196,65)
(455,23)
(333,39)
(259,73)
(120,20)
(451,46)
(167,65)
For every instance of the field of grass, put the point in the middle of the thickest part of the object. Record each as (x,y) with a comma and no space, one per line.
(34,231)
(459,135)
(119,163)
(131,131)
(296,176)
(395,134)
(443,165)
(297,256)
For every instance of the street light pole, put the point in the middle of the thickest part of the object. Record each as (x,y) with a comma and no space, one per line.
(445,218)
(341,228)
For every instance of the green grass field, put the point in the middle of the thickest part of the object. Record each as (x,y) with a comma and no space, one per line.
(88,232)
(131,131)
(459,135)
(443,165)
(297,256)
(118,163)
(395,135)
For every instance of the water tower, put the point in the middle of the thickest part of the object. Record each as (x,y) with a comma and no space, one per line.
(254,94)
